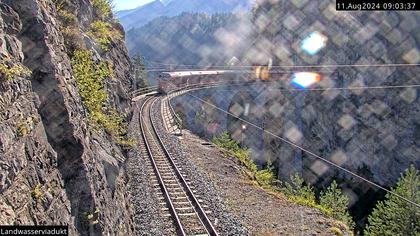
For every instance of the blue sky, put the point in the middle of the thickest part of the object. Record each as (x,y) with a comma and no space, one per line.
(128,4)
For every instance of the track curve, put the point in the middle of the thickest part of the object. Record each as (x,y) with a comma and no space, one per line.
(188,215)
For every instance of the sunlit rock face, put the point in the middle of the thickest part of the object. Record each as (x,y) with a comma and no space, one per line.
(53,169)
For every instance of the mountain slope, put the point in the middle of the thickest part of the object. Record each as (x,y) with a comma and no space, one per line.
(187,39)
(142,15)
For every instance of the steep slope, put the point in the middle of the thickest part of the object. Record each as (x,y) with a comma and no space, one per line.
(142,15)
(56,168)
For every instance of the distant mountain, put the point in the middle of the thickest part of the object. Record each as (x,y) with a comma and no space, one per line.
(190,39)
(142,15)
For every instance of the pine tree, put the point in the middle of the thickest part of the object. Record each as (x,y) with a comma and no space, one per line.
(139,72)
(395,216)
(334,199)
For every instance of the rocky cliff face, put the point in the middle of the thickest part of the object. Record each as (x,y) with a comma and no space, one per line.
(54,168)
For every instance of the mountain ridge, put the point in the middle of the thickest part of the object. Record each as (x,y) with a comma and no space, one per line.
(140,16)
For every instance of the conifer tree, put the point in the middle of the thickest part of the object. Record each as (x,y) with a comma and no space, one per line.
(395,216)
(338,202)
(139,72)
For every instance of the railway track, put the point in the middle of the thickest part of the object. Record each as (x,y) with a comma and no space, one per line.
(178,200)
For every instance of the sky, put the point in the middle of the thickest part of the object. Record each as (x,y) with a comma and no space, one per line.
(129,4)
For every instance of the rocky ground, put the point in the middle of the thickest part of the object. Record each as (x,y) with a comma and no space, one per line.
(260,212)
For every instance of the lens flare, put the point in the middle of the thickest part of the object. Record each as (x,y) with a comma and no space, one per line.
(314,43)
(305,79)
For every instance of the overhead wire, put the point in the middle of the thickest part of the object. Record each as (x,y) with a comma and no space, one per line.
(308,152)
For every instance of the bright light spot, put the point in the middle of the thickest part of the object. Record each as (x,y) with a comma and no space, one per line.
(246,112)
(314,43)
(243,127)
(305,79)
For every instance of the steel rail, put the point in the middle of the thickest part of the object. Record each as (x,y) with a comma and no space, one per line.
(196,205)
(172,210)
(197,208)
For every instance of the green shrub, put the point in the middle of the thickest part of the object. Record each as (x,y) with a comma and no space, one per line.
(59,4)
(67,18)
(265,177)
(333,202)
(395,216)
(103,34)
(126,143)
(296,187)
(90,78)
(334,199)
(72,39)
(90,81)
(336,231)
(224,141)
(24,126)
(103,8)
(230,145)
(9,71)
(36,192)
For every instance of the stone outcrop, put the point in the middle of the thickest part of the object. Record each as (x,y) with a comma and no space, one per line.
(53,168)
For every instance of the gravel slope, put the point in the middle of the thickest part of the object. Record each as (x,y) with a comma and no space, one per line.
(261,212)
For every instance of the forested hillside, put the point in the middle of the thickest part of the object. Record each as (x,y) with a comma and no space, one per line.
(140,16)
(197,39)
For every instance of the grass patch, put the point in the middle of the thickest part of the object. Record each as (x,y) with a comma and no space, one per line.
(103,34)
(9,70)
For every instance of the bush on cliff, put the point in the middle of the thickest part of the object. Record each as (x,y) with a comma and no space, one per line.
(9,70)
(90,78)
(103,34)
(103,8)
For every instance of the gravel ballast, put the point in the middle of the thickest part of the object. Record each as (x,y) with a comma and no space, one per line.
(237,207)
(148,217)
(222,219)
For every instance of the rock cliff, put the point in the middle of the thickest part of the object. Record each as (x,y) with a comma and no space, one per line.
(56,166)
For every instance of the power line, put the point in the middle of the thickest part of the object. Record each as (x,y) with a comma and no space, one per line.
(307,151)
(307,66)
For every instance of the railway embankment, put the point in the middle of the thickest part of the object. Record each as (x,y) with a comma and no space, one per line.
(259,210)
(235,204)
(150,217)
